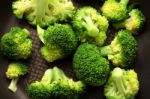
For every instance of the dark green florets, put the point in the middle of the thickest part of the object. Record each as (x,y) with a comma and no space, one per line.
(60,41)
(89,66)
(16,44)
(122,50)
(90,26)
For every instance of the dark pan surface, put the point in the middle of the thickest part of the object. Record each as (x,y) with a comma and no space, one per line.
(38,65)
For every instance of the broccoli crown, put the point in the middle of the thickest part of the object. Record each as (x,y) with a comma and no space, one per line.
(134,23)
(114,10)
(43,12)
(122,50)
(16,44)
(55,84)
(90,26)
(16,69)
(60,41)
(89,66)
(122,84)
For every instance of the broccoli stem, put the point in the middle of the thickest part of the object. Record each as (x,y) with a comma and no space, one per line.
(125,2)
(47,77)
(117,77)
(40,32)
(92,29)
(59,74)
(13,85)
(104,51)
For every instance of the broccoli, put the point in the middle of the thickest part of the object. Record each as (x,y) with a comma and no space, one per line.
(56,85)
(14,71)
(59,41)
(43,12)
(122,84)
(134,23)
(122,50)
(90,26)
(89,66)
(16,44)
(115,10)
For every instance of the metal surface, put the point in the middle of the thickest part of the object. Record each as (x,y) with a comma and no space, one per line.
(38,65)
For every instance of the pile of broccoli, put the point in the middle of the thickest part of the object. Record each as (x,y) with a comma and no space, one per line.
(55,85)
(66,30)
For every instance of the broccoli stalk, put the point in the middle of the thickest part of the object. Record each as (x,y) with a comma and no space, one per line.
(122,50)
(43,12)
(14,71)
(55,84)
(90,26)
(122,84)
(13,85)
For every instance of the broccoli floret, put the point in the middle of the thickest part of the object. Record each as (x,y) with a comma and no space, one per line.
(43,12)
(16,44)
(89,66)
(122,50)
(14,71)
(122,84)
(134,23)
(114,10)
(90,26)
(59,41)
(56,85)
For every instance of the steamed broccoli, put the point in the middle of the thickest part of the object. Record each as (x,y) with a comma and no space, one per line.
(122,50)
(16,44)
(43,12)
(89,66)
(56,85)
(14,71)
(59,42)
(115,10)
(90,26)
(122,84)
(134,23)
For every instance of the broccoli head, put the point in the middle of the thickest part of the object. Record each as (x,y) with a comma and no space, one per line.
(59,42)
(115,10)
(14,71)
(122,84)
(43,12)
(89,66)
(16,44)
(122,50)
(134,23)
(90,26)
(56,85)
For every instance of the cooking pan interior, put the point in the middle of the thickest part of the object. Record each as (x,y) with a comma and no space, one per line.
(38,65)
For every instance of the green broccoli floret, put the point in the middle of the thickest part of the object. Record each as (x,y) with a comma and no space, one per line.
(90,26)
(43,12)
(122,50)
(134,23)
(89,66)
(114,10)
(16,44)
(122,84)
(14,71)
(59,42)
(56,85)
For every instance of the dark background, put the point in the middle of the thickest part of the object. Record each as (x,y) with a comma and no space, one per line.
(38,66)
